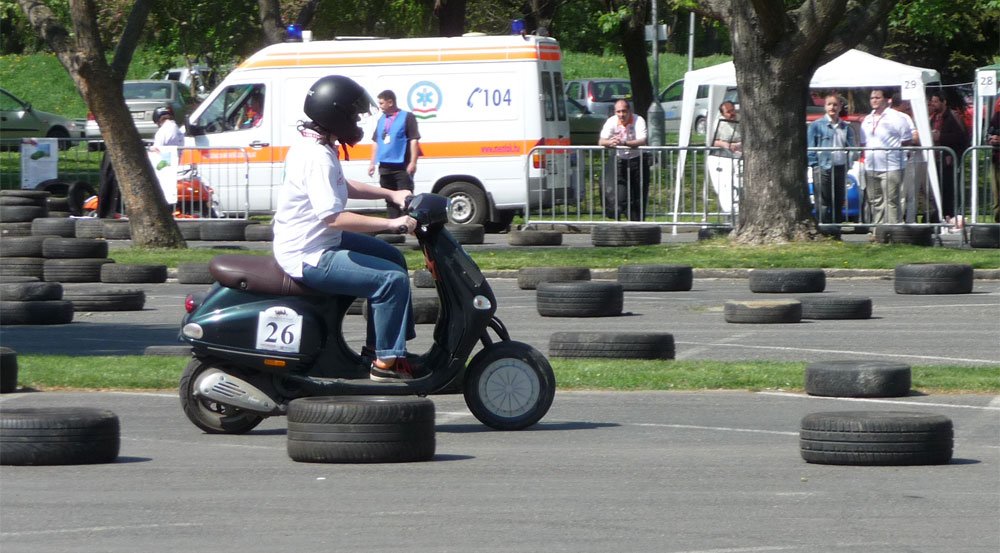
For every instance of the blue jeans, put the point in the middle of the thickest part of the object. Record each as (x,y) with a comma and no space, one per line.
(366,267)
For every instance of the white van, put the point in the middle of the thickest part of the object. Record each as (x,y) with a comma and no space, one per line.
(482,103)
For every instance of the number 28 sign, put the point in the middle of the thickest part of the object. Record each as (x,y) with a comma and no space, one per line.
(279,329)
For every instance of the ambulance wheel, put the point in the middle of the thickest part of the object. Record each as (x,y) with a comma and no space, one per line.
(208,415)
(509,386)
(468,203)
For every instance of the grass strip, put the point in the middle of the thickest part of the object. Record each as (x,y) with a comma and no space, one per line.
(140,372)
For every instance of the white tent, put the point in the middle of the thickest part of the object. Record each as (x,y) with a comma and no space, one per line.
(852,69)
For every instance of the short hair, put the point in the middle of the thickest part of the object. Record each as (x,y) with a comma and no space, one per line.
(838,97)
(387,95)
(723,104)
(886,92)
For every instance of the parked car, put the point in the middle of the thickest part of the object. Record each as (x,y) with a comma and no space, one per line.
(598,96)
(671,99)
(199,78)
(19,120)
(142,97)
(584,128)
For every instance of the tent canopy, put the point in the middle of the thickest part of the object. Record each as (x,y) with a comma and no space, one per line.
(852,69)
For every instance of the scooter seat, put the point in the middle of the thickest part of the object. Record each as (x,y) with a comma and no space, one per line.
(254,273)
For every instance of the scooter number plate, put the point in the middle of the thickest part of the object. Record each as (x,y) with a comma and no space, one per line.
(279,329)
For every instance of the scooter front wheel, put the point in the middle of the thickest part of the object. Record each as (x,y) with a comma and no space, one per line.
(211,416)
(509,386)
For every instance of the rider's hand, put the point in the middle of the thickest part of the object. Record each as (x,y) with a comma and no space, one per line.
(399,223)
(371,169)
(399,197)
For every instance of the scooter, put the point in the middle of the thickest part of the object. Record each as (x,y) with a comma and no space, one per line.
(260,339)
(195,198)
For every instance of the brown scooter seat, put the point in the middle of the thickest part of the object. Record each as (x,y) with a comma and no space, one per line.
(255,273)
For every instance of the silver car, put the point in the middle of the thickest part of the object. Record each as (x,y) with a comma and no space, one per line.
(598,96)
(142,97)
(671,99)
(19,120)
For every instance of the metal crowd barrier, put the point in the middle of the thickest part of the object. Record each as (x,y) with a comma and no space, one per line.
(980,178)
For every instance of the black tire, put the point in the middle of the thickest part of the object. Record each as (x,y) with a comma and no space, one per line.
(212,417)
(422,278)
(75,248)
(535,238)
(835,307)
(857,379)
(22,213)
(190,230)
(468,203)
(194,273)
(22,267)
(121,273)
(625,235)
(502,222)
(117,229)
(425,309)
(168,351)
(226,230)
(917,235)
(615,345)
(33,198)
(658,278)
(59,213)
(579,299)
(259,233)
(54,226)
(73,270)
(763,312)
(58,205)
(711,233)
(22,246)
(15,229)
(787,281)
(470,233)
(529,278)
(58,436)
(509,386)
(8,371)
(933,278)
(40,195)
(357,307)
(54,312)
(876,438)
(89,298)
(984,236)
(89,227)
(361,429)
(30,291)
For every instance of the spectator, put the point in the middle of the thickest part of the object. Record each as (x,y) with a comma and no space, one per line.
(727,132)
(883,132)
(993,139)
(946,130)
(626,131)
(830,167)
(253,109)
(396,148)
(168,133)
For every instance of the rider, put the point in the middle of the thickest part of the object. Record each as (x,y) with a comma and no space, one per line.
(320,244)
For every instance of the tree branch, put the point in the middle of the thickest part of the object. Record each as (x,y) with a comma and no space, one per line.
(306,14)
(772,19)
(52,31)
(270,21)
(130,38)
(859,20)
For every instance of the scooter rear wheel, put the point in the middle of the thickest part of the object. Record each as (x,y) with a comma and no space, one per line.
(211,416)
(509,386)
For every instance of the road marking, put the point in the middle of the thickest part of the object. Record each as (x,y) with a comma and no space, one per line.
(98,529)
(719,428)
(993,406)
(846,352)
(688,353)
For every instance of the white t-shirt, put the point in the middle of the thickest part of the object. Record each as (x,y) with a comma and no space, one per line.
(890,129)
(169,134)
(635,129)
(313,189)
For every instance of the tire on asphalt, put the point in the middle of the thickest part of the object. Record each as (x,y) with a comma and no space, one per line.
(625,235)
(763,311)
(91,298)
(528,278)
(58,436)
(422,278)
(933,278)
(535,238)
(425,309)
(984,236)
(876,438)
(22,267)
(36,198)
(117,229)
(787,281)
(8,371)
(835,307)
(471,233)
(47,312)
(74,248)
(225,230)
(15,229)
(194,273)
(89,227)
(917,235)
(22,246)
(579,299)
(190,229)
(657,278)
(22,213)
(73,270)
(259,233)
(54,226)
(615,345)
(361,429)
(123,273)
(849,378)
(30,291)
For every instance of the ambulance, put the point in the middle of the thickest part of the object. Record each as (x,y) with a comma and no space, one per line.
(482,104)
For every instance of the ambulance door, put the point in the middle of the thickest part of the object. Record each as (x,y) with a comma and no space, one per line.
(232,137)
(550,173)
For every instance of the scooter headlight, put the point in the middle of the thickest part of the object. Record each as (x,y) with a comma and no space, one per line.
(482,303)
(193,331)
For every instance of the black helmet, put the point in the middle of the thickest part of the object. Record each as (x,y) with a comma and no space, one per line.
(161,111)
(334,103)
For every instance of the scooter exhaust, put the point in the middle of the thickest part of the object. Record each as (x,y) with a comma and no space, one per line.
(225,388)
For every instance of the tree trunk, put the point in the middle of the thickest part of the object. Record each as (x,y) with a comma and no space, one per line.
(634,49)
(451,17)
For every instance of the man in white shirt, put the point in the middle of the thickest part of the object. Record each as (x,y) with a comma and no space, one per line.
(883,131)
(626,131)
(169,134)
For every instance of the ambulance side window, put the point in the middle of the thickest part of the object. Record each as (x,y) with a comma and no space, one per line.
(548,97)
(238,107)
(560,97)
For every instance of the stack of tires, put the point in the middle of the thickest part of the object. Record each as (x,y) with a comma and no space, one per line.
(18,208)
(24,297)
